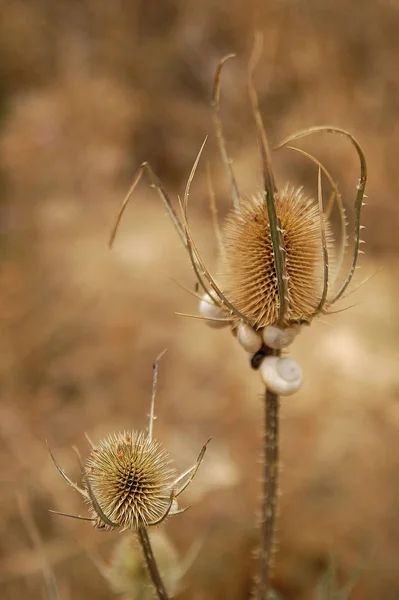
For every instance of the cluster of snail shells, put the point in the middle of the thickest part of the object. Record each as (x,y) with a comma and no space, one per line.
(281,375)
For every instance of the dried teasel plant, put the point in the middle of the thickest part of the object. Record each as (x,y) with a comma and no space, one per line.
(129,484)
(278,269)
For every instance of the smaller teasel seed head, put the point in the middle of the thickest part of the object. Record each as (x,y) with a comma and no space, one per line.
(130,477)
(128,481)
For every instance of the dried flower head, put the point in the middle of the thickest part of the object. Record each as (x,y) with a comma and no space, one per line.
(246,265)
(128,480)
(130,476)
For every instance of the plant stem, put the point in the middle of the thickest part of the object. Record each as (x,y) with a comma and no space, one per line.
(151,563)
(269,496)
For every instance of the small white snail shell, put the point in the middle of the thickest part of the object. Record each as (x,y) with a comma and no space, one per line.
(277,338)
(209,310)
(175,506)
(248,338)
(281,375)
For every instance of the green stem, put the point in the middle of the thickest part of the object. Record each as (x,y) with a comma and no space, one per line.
(151,563)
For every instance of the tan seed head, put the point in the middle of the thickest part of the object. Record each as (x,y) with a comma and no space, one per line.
(130,477)
(247,268)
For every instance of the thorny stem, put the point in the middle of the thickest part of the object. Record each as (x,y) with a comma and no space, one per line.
(151,563)
(270,488)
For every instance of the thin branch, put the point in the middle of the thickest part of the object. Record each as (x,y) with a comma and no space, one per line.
(155,575)
(209,299)
(156,183)
(235,194)
(154,393)
(202,318)
(97,508)
(200,269)
(359,200)
(270,189)
(214,211)
(192,471)
(335,198)
(323,243)
(270,489)
(78,517)
(166,511)
(48,573)
(65,476)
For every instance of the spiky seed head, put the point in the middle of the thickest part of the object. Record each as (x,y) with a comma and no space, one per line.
(246,267)
(128,575)
(130,476)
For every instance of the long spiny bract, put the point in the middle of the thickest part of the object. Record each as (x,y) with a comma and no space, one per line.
(359,200)
(270,191)
(326,258)
(235,194)
(334,199)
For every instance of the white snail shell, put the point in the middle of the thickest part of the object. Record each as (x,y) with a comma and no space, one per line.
(210,310)
(281,375)
(174,507)
(277,338)
(248,338)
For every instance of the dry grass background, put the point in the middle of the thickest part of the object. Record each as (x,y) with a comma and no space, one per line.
(88,90)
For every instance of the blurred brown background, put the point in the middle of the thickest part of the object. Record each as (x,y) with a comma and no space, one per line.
(88,90)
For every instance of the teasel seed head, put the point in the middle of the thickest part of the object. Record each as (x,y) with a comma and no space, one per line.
(128,481)
(247,266)
(130,476)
